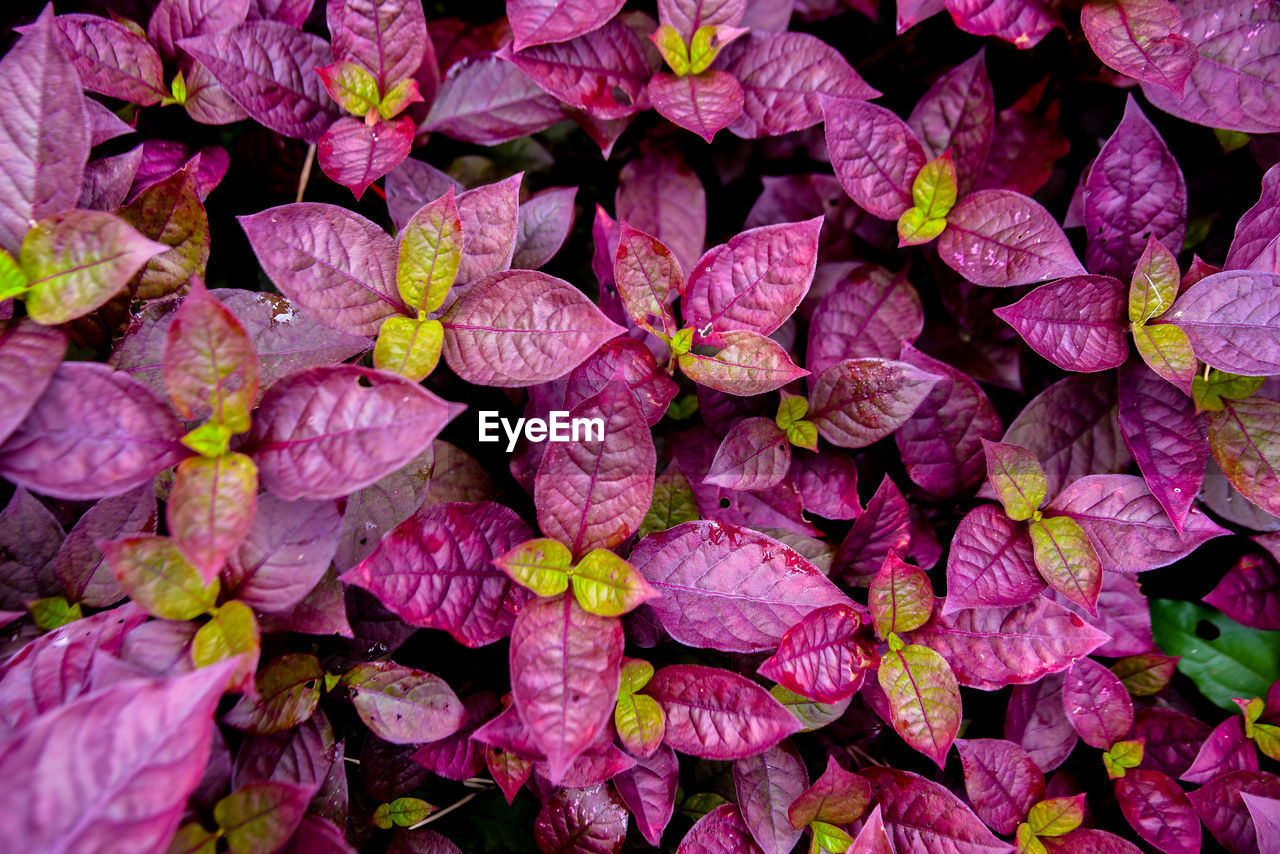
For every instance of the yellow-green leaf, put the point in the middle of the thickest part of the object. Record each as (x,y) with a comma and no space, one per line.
(157,576)
(541,565)
(12,280)
(1027,842)
(1017,477)
(211,439)
(353,87)
(179,89)
(402,812)
(1209,391)
(607,585)
(1167,350)
(640,723)
(192,838)
(1066,559)
(399,98)
(803,434)
(682,342)
(706,43)
(673,49)
(828,838)
(636,673)
(791,410)
(1267,737)
(1056,816)
(408,346)
(916,227)
(1155,281)
(673,502)
(232,632)
(924,699)
(1121,756)
(430,252)
(54,612)
(934,189)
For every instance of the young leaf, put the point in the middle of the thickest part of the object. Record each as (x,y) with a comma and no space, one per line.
(900,598)
(156,575)
(837,797)
(211,508)
(403,705)
(288,692)
(1232,321)
(748,364)
(1056,817)
(859,401)
(1017,478)
(820,656)
(352,86)
(402,812)
(703,103)
(1077,323)
(673,47)
(766,784)
(260,816)
(231,633)
(649,279)
(1141,38)
(388,37)
(876,156)
(706,42)
(408,347)
(541,565)
(637,717)
(1067,560)
(716,714)
(1002,781)
(933,193)
(606,585)
(923,697)
(1002,238)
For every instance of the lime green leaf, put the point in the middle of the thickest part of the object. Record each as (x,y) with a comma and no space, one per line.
(1223,658)
(354,88)
(210,439)
(1067,560)
(1267,738)
(934,195)
(402,812)
(640,723)
(1167,350)
(398,99)
(706,44)
(673,49)
(1017,477)
(1056,816)
(915,227)
(900,598)
(1155,281)
(156,575)
(12,280)
(606,585)
(1208,392)
(408,346)
(1027,841)
(430,253)
(541,565)
(179,89)
(673,502)
(54,612)
(828,837)
(791,410)
(1122,756)
(1230,140)
(232,632)
(803,434)
(682,342)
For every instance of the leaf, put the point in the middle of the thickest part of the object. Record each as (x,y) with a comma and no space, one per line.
(565,668)
(408,347)
(720,831)
(1002,781)
(170,211)
(673,503)
(1222,807)
(1097,704)
(211,369)
(544,222)
(1254,247)
(94,432)
(921,815)
(111,59)
(155,574)
(689,16)
(334,264)
(716,714)
(729,588)
(989,648)
(545,323)
(29,355)
(45,136)
(958,114)
(260,816)
(1239,662)
(766,784)
(403,705)
(748,364)
(869,313)
(1141,38)
(402,812)
(211,508)
(230,634)
(1017,477)
(132,788)
(783,78)
(661,196)
(356,154)
(375,423)
(1002,238)
(591,819)
(754,282)
(606,585)
(30,538)
(755,455)
(288,692)
(1067,560)
(991,563)
(490,217)
(882,528)
(837,797)
(269,69)
(353,87)
(603,72)
(388,37)
(1263,812)
(434,570)
(78,260)
(1146,674)
(900,598)
(80,565)
(934,193)
(703,103)
(638,718)
(859,401)
(488,101)
(628,360)
(820,656)
(542,565)
(1232,321)
(1246,445)
(430,254)
(544,21)
(1078,323)
(923,697)
(649,791)
(1249,593)
(648,279)
(875,155)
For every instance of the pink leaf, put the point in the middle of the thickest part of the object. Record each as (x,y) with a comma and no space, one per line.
(716,714)
(703,103)
(1001,238)
(874,153)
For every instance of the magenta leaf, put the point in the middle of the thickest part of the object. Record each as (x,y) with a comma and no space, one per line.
(1002,238)
(1022,23)
(80,565)
(1037,722)
(1221,806)
(94,432)
(716,714)
(689,16)
(487,100)
(827,484)
(285,553)
(649,792)
(783,76)
(628,360)
(748,364)
(1159,811)
(373,422)
(754,282)
(766,784)
(755,455)
(521,327)
(112,60)
(334,264)
(44,140)
(1126,524)
(1224,749)
(387,37)
(603,72)
(1135,190)
(1255,245)
(411,185)
(990,564)
(729,588)
(820,656)
(1266,820)
(837,797)
(590,820)
(648,279)
(875,155)
(1250,592)
(1097,704)
(403,705)
(703,103)
(355,154)
(1002,781)
(1172,739)
(1232,321)
(131,788)
(989,648)
(868,313)
(174,20)
(660,195)
(593,493)
(565,666)
(1141,38)
(958,114)
(29,355)
(883,527)
(721,831)
(859,401)
(921,815)
(269,69)
(1078,323)
(536,22)
(543,224)
(1122,613)
(489,225)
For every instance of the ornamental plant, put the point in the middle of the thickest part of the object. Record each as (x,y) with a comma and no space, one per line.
(887,411)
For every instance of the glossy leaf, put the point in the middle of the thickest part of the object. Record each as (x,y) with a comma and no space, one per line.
(1249,593)
(820,656)
(868,313)
(1232,321)
(591,819)
(1239,662)
(923,697)
(355,154)
(1067,559)
(1246,446)
(858,401)
(875,155)
(716,714)
(649,792)
(211,508)
(1002,781)
(403,705)
(158,576)
(1078,323)
(487,100)
(1142,39)
(111,59)
(991,563)
(766,784)
(1002,238)
(900,598)
(211,369)
(755,455)
(385,36)
(544,21)
(958,114)
(922,815)
(1017,477)
(1159,811)
(660,195)
(1097,704)
(29,355)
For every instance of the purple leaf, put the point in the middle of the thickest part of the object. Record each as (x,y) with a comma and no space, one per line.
(355,154)
(489,224)
(1172,739)
(1233,322)
(603,72)
(883,527)
(957,114)
(1078,323)
(332,263)
(326,432)
(702,103)
(820,656)
(285,553)
(291,12)
(921,815)
(269,69)
(403,705)
(174,20)
(1221,806)
(104,125)
(875,155)
(1246,446)
(460,757)
(689,16)
(748,364)
(94,432)
(1224,749)
(721,831)
(1266,821)
(565,666)
(1088,839)
(1135,190)
(1233,85)
(827,484)
(30,538)
(387,37)
(44,139)
(593,493)
(1037,722)
(1159,811)
(1002,238)
(1127,526)
(729,588)
(754,456)
(1022,23)
(631,362)
(434,570)
(1250,592)
(29,355)
(1122,613)
(1097,704)
(130,789)
(170,212)
(990,564)
(716,714)
(869,313)
(941,443)
(783,76)
(112,60)
(591,821)
(649,791)
(107,180)
(521,327)
(660,195)
(488,101)
(536,22)
(859,401)
(754,282)
(989,648)
(837,797)
(300,756)
(544,222)
(766,784)
(1166,439)
(210,368)
(1002,781)
(81,567)
(1141,38)
(413,184)
(207,102)
(1255,245)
